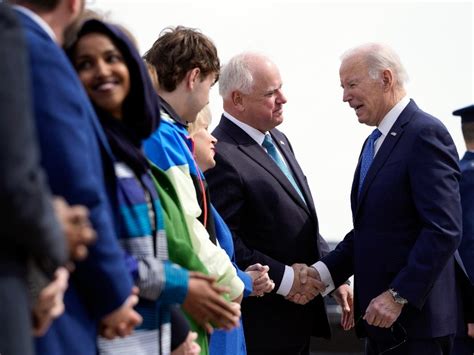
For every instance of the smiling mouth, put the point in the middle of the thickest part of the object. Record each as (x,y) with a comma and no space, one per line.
(357,108)
(106,86)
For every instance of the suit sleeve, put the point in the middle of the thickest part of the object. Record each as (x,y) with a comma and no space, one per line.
(341,260)
(466,249)
(29,222)
(434,181)
(228,196)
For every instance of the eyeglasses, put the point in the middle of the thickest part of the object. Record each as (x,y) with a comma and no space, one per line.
(398,333)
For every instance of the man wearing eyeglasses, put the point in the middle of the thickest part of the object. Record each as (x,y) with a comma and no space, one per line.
(406,214)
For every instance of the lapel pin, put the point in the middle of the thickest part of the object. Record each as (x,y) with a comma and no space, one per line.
(282,143)
(393,133)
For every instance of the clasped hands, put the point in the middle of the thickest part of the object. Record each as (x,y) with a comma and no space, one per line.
(307,284)
(261,282)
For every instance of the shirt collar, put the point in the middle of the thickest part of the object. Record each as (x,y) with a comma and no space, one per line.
(255,134)
(392,115)
(38,20)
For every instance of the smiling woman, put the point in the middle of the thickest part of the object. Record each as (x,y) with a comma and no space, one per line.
(103,72)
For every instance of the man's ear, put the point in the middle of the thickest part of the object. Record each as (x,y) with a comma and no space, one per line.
(238,100)
(192,77)
(387,79)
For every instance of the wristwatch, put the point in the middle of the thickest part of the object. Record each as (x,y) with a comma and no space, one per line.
(396,297)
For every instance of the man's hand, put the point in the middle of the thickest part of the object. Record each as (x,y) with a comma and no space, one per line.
(261,282)
(123,320)
(383,311)
(49,304)
(470,330)
(76,226)
(343,297)
(307,284)
(206,305)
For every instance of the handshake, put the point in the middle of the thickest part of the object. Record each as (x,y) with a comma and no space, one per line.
(307,284)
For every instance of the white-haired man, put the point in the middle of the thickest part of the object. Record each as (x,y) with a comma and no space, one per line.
(406,214)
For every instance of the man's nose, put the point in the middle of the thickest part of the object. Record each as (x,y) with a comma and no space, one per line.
(281,97)
(345,96)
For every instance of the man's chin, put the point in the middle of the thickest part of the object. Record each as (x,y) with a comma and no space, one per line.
(278,119)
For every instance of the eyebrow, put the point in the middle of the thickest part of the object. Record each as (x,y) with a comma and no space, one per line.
(271,91)
(350,81)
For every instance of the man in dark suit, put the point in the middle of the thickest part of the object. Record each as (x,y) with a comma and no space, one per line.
(262,193)
(464,342)
(406,214)
(73,151)
(466,249)
(29,228)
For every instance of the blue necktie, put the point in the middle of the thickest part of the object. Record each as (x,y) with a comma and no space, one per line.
(368,156)
(272,151)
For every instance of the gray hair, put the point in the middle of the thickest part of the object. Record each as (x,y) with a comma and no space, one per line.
(380,57)
(237,74)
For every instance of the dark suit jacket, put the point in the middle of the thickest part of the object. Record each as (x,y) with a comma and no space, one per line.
(29,228)
(466,187)
(466,251)
(73,148)
(271,225)
(407,225)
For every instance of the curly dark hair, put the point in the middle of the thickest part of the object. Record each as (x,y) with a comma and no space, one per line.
(178,50)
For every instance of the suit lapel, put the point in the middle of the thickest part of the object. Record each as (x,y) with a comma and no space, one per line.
(391,140)
(295,169)
(255,152)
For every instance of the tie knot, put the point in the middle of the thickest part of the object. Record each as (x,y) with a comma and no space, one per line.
(268,141)
(375,134)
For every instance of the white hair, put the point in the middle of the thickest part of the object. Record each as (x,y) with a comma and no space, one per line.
(379,57)
(237,74)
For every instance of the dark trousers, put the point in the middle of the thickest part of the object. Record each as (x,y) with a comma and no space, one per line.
(301,350)
(463,346)
(434,346)
(16,336)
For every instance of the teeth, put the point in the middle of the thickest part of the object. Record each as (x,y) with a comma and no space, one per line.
(105,86)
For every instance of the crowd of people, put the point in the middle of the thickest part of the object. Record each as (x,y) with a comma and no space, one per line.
(131,229)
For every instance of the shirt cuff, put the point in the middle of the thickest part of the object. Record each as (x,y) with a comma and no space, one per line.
(286,281)
(326,277)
